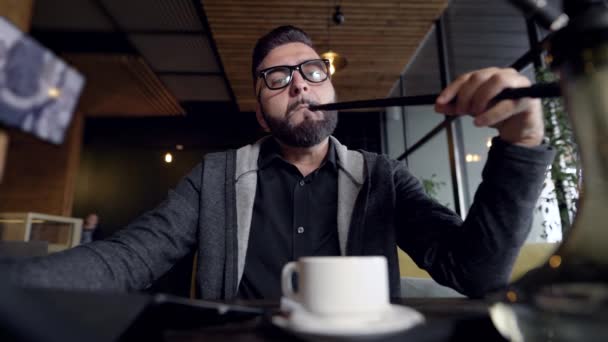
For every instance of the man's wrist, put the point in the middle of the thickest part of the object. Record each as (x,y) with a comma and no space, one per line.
(529,143)
(531,140)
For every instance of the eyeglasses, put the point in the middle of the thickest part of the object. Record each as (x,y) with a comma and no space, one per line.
(279,77)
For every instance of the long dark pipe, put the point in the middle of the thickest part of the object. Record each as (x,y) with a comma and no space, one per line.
(541,90)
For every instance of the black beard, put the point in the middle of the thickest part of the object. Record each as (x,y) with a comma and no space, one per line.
(308,133)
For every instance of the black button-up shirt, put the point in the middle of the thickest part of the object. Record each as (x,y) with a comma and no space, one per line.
(293,216)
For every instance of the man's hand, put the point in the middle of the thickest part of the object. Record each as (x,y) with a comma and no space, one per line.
(518,121)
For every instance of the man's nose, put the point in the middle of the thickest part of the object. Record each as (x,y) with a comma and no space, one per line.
(298,84)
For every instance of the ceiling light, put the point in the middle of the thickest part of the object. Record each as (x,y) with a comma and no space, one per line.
(472,158)
(336,62)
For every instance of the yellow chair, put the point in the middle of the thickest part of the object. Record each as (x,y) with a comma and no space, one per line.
(531,256)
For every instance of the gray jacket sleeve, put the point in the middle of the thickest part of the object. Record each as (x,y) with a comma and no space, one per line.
(475,256)
(132,258)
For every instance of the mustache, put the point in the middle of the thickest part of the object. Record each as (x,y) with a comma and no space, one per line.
(294,105)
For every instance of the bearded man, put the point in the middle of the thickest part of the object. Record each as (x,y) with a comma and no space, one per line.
(299,192)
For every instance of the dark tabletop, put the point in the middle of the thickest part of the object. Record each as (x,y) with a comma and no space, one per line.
(447,319)
(60,315)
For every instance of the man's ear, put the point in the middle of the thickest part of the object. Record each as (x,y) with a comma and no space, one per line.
(260,118)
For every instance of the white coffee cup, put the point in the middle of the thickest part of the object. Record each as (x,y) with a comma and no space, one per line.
(330,286)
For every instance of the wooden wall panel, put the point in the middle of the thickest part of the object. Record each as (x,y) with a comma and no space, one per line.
(39,176)
(3,151)
(19,12)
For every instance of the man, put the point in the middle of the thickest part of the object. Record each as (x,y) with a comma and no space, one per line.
(89,228)
(300,192)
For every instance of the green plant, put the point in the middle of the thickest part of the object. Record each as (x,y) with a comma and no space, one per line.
(432,185)
(564,170)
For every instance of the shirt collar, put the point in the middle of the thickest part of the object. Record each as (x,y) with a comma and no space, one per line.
(271,151)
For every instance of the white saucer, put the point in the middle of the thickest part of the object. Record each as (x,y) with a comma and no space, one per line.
(395,319)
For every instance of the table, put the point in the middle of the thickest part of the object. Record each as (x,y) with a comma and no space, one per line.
(448,319)
(60,315)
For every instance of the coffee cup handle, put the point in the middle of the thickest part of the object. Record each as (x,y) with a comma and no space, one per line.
(286,280)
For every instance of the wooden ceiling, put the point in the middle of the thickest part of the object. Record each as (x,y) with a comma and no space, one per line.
(122,85)
(141,58)
(378,38)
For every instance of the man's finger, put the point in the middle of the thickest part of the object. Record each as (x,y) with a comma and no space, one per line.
(482,99)
(442,105)
(502,111)
(468,91)
(495,85)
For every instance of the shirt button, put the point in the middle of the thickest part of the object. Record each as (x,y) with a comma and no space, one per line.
(300,230)
(302,183)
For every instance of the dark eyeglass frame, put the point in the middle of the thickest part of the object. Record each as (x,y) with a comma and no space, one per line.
(262,73)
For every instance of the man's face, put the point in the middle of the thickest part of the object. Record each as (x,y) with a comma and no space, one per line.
(284,112)
(91,221)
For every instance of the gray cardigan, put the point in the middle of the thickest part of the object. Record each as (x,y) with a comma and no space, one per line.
(380,206)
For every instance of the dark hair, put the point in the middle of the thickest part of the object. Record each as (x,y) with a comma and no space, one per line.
(275,38)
